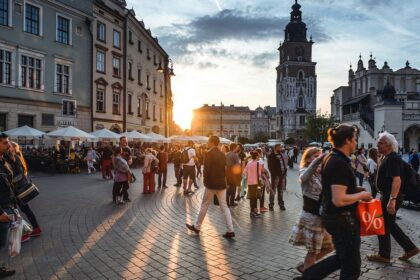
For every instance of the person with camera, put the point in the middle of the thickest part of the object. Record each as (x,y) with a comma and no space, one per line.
(7,203)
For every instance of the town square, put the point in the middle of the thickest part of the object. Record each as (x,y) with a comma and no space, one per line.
(213,139)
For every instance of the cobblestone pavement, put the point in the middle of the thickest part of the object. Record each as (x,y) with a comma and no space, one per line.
(87,237)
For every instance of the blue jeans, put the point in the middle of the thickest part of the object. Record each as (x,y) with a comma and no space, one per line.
(345,233)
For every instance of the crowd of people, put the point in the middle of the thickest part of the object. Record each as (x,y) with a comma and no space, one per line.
(331,185)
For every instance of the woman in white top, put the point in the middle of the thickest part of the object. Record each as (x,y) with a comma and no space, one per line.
(372,165)
(149,171)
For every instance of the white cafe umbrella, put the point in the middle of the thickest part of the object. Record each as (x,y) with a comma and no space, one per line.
(200,139)
(24,131)
(157,138)
(137,136)
(180,138)
(225,141)
(71,133)
(106,135)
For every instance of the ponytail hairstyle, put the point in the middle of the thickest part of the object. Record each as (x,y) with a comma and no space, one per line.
(338,135)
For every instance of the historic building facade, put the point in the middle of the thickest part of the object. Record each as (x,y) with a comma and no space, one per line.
(226,121)
(45,73)
(380,99)
(108,63)
(89,64)
(296,79)
(263,122)
(149,97)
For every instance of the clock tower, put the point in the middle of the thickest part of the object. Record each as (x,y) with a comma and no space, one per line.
(296,79)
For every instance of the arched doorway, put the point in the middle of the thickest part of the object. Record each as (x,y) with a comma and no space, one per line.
(412,138)
(116,128)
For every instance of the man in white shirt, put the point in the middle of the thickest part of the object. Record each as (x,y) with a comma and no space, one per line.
(188,167)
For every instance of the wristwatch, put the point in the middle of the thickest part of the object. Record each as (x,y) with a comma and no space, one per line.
(392,198)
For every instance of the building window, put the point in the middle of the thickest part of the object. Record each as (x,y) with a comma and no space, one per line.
(63,30)
(130,107)
(148,82)
(5,12)
(154,112)
(147,110)
(139,76)
(31,71)
(301,120)
(5,67)
(3,122)
(101,31)
(116,102)
(25,120)
(69,108)
(47,119)
(32,19)
(117,39)
(160,115)
(300,102)
(154,60)
(148,54)
(100,61)
(139,46)
(116,66)
(139,107)
(130,37)
(154,86)
(100,100)
(62,79)
(130,71)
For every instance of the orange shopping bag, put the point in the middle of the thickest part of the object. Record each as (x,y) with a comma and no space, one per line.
(371,218)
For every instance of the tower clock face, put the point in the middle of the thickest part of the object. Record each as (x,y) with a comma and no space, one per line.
(300,51)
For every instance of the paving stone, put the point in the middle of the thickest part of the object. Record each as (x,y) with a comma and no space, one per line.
(87,237)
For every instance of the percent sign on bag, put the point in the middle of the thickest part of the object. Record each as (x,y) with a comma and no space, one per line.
(371,218)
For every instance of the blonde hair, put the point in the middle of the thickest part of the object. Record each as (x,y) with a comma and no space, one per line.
(18,153)
(308,153)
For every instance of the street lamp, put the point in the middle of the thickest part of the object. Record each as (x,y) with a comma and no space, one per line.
(160,69)
(221,119)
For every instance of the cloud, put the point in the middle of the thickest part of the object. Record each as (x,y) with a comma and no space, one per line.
(205,65)
(229,24)
(262,60)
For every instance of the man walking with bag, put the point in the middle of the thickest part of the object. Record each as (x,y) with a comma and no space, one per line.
(389,179)
(278,170)
(7,203)
(215,182)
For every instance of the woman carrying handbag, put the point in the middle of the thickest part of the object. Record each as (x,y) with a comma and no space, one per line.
(20,177)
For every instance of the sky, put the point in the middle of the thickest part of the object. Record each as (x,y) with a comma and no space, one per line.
(226,50)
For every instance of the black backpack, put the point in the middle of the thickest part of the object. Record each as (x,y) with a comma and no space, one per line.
(410,182)
(184,156)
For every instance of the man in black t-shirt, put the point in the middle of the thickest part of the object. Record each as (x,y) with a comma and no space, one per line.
(389,179)
(340,198)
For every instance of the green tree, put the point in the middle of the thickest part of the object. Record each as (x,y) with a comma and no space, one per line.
(243,140)
(260,137)
(317,126)
(290,141)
